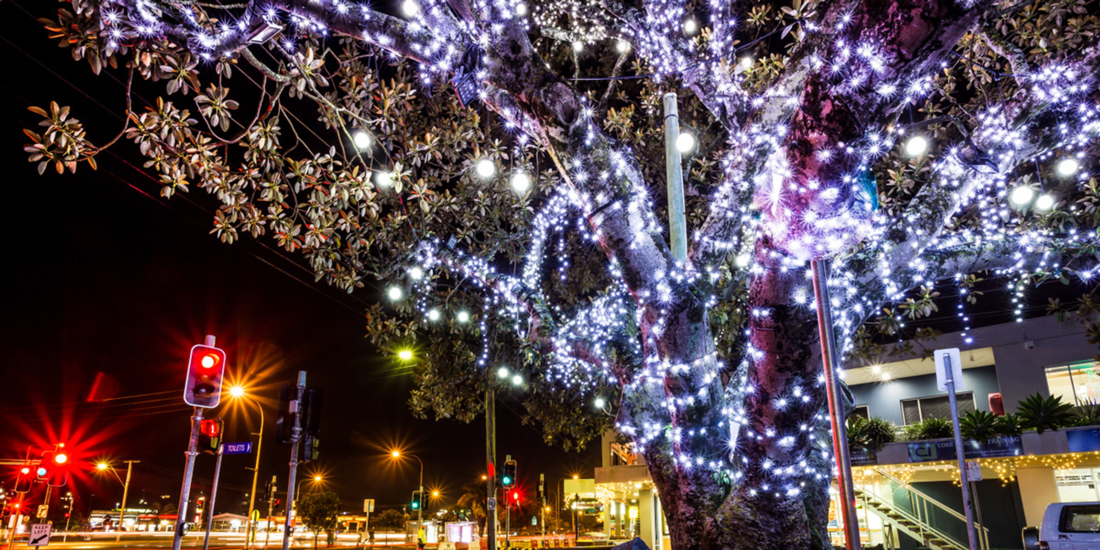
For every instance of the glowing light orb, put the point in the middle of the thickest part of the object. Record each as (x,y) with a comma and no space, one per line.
(362,140)
(599,403)
(383,179)
(1068,167)
(690,26)
(502,372)
(685,142)
(463,317)
(521,182)
(1021,195)
(409,8)
(404,355)
(517,380)
(433,314)
(916,146)
(416,273)
(1045,202)
(622,46)
(521,9)
(395,293)
(486,168)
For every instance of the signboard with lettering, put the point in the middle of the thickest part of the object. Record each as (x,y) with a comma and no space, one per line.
(944,449)
(237,448)
(863,457)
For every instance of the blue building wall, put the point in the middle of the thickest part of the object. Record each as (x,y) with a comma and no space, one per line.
(883,399)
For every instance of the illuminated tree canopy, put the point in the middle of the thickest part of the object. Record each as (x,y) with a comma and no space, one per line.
(913,144)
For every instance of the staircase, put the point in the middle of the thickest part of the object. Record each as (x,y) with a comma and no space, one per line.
(924,519)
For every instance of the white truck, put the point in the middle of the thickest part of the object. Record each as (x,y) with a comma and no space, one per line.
(1066,526)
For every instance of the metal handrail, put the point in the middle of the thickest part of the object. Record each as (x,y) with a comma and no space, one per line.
(938,504)
(928,531)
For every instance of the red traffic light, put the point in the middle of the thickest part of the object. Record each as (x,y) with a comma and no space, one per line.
(515,495)
(25,470)
(60,458)
(210,427)
(205,369)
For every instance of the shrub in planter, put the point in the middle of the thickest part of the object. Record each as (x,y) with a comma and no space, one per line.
(1009,424)
(979,425)
(1041,414)
(870,434)
(1088,415)
(932,428)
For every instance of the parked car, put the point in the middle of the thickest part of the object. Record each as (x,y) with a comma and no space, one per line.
(1066,526)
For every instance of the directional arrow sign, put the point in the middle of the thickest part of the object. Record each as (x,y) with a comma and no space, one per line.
(237,448)
(40,534)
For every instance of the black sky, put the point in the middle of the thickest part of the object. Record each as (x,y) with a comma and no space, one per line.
(103,276)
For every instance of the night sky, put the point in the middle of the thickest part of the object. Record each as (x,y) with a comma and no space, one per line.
(106,287)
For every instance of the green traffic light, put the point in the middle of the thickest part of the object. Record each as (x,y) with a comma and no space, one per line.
(507,480)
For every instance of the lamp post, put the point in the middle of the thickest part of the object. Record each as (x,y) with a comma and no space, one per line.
(297,488)
(238,393)
(419,509)
(125,490)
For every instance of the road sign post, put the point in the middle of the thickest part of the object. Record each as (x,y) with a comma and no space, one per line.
(213,497)
(40,535)
(295,437)
(43,511)
(949,376)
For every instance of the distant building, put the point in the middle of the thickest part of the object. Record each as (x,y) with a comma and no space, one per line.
(908,491)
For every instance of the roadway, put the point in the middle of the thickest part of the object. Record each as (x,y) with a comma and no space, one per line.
(218,540)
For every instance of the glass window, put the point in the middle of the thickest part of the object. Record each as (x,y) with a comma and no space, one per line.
(861,411)
(1076,383)
(1080,519)
(1076,484)
(916,410)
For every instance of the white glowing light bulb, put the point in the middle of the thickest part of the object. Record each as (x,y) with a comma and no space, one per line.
(685,142)
(362,140)
(578,46)
(743,260)
(415,273)
(486,168)
(502,372)
(599,403)
(410,8)
(622,46)
(690,27)
(916,146)
(383,179)
(1021,195)
(1068,167)
(517,380)
(395,293)
(433,314)
(521,182)
(521,9)
(463,317)
(1045,202)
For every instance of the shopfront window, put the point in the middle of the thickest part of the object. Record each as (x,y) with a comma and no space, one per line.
(1076,484)
(1077,383)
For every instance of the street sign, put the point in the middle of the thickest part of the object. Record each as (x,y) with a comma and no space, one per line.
(43,511)
(492,504)
(40,535)
(973,470)
(368,505)
(237,448)
(946,357)
(534,520)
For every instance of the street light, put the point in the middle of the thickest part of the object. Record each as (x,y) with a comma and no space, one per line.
(316,479)
(237,392)
(419,511)
(125,491)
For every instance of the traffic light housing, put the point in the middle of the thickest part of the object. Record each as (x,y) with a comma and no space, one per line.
(205,370)
(24,480)
(210,435)
(288,409)
(508,478)
(416,498)
(311,410)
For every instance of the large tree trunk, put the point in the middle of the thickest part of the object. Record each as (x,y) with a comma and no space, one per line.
(776,494)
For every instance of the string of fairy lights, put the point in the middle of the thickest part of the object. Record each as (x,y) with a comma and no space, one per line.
(802,218)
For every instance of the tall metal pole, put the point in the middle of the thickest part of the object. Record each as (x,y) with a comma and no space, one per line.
(188,470)
(420,509)
(295,434)
(542,503)
(270,510)
(125,493)
(847,494)
(255,474)
(213,497)
(68,518)
(491,458)
(949,381)
(677,234)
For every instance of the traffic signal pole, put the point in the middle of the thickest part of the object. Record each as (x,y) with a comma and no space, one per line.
(491,457)
(188,470)
(295,436)
(255,475)
(213,497)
